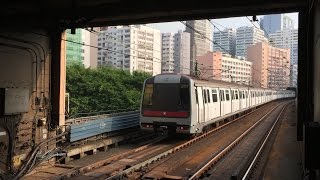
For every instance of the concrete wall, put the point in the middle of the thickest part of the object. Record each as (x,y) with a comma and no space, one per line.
(25,63)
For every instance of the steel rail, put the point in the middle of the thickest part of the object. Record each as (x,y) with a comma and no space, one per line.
(219,156)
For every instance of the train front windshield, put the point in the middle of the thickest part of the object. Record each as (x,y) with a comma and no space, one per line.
(166,99)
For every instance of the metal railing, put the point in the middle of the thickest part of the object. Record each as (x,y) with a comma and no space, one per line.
(81,128)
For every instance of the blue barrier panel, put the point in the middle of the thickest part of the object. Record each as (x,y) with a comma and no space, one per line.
(103,125)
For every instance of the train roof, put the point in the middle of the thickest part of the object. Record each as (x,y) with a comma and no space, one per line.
(213,82)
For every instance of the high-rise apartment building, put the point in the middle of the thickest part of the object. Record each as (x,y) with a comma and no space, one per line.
(176,53)
(247,36)
(200,43)
(132,48)
(168,53)
(271,66)
(275,22)
(287,38)
(294,75)
(182,52)
(216,65)
(225,41)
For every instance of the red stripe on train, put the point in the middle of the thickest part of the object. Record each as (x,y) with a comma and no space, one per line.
(182,114)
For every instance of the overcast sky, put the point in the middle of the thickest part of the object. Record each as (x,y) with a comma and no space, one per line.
(221,23)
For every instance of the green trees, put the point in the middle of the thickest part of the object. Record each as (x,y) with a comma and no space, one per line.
(103,89)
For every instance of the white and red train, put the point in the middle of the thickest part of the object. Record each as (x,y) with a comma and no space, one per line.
(188,106)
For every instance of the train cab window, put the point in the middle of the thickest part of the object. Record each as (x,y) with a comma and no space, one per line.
(214,95)
(184,95)
(227,95)
(236,92)
(166,97)
(240,94)
(205,96)
(147,98)
(208,94)
(243,95)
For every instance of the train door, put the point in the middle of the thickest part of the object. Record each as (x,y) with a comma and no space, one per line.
(206,102)
(210,107)
(200,105)
(232,100)
(228,101)
(252,94)
(236,101)
(248,104)
(215,103)
(241,99)
(222,102)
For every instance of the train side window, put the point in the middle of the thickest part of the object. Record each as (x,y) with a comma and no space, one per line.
(204,96)
(240,94)
(208,95)
(222,95)
(232,94)
(196,91)
(236,92)
(214,95)
(227,95)
(243,94)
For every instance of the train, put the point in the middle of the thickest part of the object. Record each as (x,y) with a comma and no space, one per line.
(187,105)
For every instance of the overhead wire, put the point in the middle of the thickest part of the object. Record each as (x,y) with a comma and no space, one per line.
(217,28)
(204,36)
(88,45)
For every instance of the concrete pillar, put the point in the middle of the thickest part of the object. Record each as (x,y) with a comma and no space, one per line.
(58,78)
(316,60)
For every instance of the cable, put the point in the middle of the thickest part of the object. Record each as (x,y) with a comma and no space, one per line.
(221,25)
(114,38)
(204,36)
(257,27)
(111,50)
(252,22)
(218,29)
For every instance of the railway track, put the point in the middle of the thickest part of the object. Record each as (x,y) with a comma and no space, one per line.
(160,165)
(167,157)
(239,159)
(182,164)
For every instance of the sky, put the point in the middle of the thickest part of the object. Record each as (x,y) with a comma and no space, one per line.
(220,23)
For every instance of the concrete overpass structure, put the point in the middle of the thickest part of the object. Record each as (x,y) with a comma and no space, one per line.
(32,62)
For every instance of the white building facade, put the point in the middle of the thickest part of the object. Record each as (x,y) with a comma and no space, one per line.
(182,52)
(236,70)
(89,53)
(200,43)
(132,48)
(168,65)
(288,38)
(246,36)
(294,75)
(225,41)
